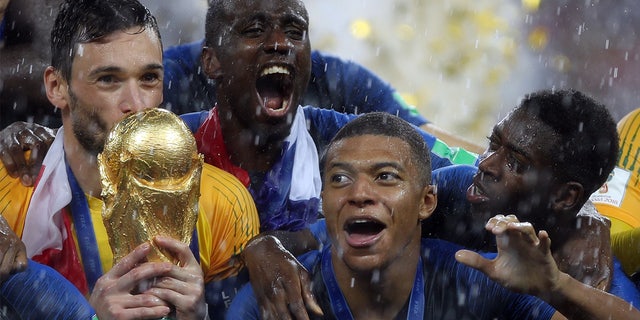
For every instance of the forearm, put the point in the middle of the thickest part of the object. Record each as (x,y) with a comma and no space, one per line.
(576,300)
(296,242)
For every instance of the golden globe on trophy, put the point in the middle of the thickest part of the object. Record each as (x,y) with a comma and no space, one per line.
(150,171)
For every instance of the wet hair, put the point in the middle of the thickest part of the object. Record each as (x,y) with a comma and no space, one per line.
(84,21)
(388,125)
(587,149)
(212,25)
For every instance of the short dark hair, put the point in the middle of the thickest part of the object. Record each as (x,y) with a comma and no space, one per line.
(83,21)
(587,135)
(388,125)
(215,12)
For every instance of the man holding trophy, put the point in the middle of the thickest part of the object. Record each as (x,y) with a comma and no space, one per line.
(106,65)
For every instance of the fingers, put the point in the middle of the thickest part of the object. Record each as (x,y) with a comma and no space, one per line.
(19,137)
(501,225)
(6,264)
(20,263)
(178,249)
(307,295)
(126,306)
(13,260)
(472,259)
(293,296)
(135,257)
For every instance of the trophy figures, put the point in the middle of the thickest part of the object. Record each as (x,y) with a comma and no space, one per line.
(150,170)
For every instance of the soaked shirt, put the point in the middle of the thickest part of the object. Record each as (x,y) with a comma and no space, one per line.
(619,197)
(451,291)
(227,220)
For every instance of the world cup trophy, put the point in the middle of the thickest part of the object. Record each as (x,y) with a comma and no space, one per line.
(150,171)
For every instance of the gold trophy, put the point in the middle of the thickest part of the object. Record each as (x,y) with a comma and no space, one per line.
(150,170)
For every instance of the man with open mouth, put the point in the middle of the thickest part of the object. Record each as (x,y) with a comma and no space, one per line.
(376,193)
(544,160)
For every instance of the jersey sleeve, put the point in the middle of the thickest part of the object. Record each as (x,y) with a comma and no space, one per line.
(14,201)
(228,220)
(619,197)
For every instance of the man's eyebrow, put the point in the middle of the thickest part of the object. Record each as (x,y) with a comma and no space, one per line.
(115,69)
(376,166)
(391,164)
(512,146)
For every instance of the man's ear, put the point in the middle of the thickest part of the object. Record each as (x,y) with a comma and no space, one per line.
(568,196)
(429,202)
(210,63)
(56,87)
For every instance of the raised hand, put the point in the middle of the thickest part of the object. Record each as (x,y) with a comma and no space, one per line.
(524,262)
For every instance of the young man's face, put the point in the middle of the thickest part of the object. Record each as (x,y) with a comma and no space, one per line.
(514,175)
(110,78)
(264,62)
(373,201)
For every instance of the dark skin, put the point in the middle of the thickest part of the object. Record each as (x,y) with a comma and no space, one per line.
(237,63)
(514,177)
(268,34)
(25,55)
(259,35)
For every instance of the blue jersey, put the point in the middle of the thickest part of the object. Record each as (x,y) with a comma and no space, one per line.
(335,84)
(452,221)
(40,292)
(451,291)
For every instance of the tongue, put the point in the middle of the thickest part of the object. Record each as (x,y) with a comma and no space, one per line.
(361,239)
(272,99)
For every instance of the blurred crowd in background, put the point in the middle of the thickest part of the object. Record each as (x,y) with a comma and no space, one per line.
(462,63)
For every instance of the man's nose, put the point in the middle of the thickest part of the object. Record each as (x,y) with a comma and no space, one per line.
(133,98)
(490,163)
(277,41)
(361,193)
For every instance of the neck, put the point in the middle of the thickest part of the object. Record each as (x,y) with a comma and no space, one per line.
(380,293)
(253,148)
(83,164)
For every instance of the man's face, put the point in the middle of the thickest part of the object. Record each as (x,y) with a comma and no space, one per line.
(373,201)
(514,175)
(110,78)
(264,62)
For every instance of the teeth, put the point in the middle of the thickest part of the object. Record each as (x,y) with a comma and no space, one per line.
(476,191)
(274,70)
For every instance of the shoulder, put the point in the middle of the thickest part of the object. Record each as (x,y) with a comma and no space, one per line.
(187,54)
(14,200)
(212,175)
(223,196)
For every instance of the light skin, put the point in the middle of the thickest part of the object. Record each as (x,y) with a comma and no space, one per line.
(374,183)
(118,75)
(367,182)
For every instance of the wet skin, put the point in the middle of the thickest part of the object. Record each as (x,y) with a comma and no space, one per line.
(514,175)
(374,202)
(261,64)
